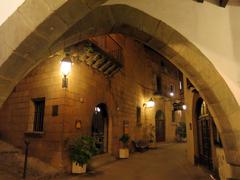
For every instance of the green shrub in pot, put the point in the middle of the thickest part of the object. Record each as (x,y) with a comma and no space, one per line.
(124,152)
(82,149)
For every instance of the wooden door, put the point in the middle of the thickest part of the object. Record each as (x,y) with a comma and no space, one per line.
(205,152)
(160,126)
(100,127)
(204,136)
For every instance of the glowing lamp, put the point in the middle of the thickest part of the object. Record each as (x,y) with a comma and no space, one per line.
(150,103)
(171,94)
(97,109)
(66,66)
(184,106)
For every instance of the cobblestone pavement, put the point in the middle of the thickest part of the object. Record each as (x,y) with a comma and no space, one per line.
(168,162)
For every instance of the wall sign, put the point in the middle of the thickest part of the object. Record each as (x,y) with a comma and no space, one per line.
(55,110)
(78,124)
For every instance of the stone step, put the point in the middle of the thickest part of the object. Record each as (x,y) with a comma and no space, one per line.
(12,161)
(101,160)
(7,148)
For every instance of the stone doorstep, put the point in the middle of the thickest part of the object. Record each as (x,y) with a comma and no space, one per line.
(15,158)
(101,160)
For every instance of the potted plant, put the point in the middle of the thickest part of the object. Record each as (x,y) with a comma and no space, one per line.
(152,141)
(124,152)
(181,132)
(80,152)
(89,47)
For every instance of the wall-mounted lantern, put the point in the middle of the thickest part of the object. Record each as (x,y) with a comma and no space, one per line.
(179,106)
(66,66)
(150,103)
(171,91)
(97,110)
(184,106)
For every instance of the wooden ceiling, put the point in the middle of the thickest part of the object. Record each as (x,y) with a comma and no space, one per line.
(222,3)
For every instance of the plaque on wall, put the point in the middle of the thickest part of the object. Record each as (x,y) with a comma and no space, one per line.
(55,110)
(78,124)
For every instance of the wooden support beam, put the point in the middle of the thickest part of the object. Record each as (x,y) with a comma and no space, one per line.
(223,3)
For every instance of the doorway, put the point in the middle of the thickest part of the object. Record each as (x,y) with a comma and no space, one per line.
(160,126)
(100,127)
(204,134)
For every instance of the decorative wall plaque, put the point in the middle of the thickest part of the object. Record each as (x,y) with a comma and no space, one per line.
(55,110)
(78,124)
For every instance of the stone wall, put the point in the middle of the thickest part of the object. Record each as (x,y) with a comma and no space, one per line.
(16,114)
(130,87)
(220,166)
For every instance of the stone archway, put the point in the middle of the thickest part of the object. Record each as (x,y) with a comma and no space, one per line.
(49,26)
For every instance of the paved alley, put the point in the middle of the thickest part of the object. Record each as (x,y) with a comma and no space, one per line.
(168,162)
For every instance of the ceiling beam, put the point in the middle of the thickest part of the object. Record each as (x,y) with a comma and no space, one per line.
(223,3)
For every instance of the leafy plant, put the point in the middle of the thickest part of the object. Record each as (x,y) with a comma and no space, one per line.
(82,149)
(89,47)
(151,133)
(124,139)
(181,130)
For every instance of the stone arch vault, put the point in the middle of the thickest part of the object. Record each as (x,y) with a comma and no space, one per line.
(39,28)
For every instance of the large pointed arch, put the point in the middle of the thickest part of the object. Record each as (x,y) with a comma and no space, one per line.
(49,26)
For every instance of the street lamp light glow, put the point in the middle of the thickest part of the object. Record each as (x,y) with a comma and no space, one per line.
(97,109)
(66,66)
(184,106)
(150,103)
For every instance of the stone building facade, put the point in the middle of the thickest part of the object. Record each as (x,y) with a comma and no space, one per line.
(69,112)
(204,143)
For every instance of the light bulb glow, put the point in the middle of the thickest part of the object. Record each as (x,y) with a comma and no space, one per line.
(97,109)
(66,66)
(149,103)
(184,106)
(171,94)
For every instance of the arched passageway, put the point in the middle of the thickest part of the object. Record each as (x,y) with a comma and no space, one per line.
(64,24)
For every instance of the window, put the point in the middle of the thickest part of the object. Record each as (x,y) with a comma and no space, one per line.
(39,106)
(180,85)
(158,85)
(138,116)
(173,116)
(204,109)
(172,90)
(162,64)
(216,136)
